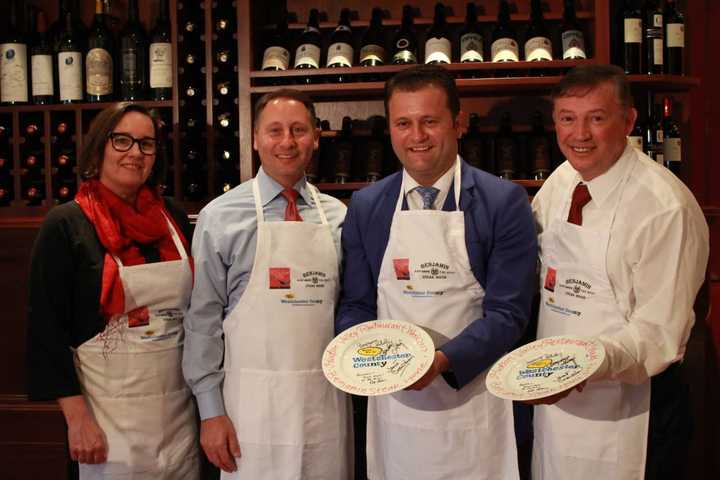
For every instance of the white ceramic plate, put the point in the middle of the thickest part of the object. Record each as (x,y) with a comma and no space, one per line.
(378,357)
(544,367)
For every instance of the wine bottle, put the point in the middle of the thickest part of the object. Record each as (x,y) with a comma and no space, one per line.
(223,56)
(506,151)
(571,36)
(405,42)
(13,62)
(99,59)
(223,88)
(438,48)
(538,47)
(672,142)
(344,152)
(69,62)
(133,57)
(504,47)
(307,54)
(224,120)
(539,144)
(654,135)
(6,193)
(64,190)
(41,58)
(277,54)
(654,42)
(161,64)
(632,36)
(312,170)
(340,52)
(471,41)
(472,143)
(674,39)
(635,139)
(372,50)
(34,193)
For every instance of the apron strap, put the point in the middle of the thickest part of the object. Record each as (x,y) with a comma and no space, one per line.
(457,186)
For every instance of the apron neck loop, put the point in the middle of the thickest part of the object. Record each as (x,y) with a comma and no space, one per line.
(456,186)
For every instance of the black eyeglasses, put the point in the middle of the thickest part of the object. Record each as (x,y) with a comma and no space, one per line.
(122,142)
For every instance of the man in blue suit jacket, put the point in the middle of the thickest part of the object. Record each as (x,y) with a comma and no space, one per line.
(447,427)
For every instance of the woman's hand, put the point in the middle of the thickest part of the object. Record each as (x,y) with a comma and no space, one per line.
(86,439)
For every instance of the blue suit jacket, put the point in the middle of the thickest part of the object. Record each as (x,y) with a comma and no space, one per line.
(502,247)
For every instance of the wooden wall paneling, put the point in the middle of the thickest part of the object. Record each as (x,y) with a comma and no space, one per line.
(246,47)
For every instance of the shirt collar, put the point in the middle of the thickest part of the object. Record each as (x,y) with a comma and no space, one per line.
(601,186)
(442,184)
(270,188)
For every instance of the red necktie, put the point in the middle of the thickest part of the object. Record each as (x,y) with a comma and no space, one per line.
(580,198)
(291,211)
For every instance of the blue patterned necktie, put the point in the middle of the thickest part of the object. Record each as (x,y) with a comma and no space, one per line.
(428,195)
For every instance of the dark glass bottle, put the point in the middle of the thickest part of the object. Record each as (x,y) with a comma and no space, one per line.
(471,144)
(571,35)
(632,38)
(312,171)
(471,40)
(344,152)
(506,149)
(133,57)
(307,54)
(13,62)
(438,48)
(70,63)
(538,46)
(405,42)
(277,53)
(504,47)
(654,42)
(372,47)
(672,141)
(340,52)
(539,149)
(375,149)
(161,63)
(674,39)
(653,135)
(41,60)
(99,59)
(636,137)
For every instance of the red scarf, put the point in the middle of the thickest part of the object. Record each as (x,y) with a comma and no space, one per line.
(120,228)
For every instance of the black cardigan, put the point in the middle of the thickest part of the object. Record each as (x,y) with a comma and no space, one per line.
(64,302)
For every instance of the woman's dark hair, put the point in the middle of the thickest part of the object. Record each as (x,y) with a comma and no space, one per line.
(91,156)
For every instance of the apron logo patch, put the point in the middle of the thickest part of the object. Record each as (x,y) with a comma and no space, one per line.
(574,287)
(279,278)
(402,268)
(313,279)
(140,317)
(433,271)
(550,278)
(548,365)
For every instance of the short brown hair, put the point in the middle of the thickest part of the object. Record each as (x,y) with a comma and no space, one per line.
(421,76)
(582,79)
(93,151)
(289,93)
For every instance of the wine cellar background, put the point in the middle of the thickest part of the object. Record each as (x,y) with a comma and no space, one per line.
(217,49)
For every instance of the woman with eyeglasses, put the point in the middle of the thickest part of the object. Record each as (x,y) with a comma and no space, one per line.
(110,278)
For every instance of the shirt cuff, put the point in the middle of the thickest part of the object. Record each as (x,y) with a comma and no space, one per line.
(210,404)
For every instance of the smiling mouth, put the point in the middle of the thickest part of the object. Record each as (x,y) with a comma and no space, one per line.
(582,149)
(133,166)
(420,149)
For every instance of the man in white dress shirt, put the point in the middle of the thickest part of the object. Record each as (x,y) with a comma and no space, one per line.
(624,247)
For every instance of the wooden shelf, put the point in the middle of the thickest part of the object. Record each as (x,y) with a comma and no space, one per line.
(667,83)
(351,186)
(59,107)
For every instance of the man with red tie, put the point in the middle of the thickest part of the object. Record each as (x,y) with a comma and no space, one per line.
(623,251)
(267,257)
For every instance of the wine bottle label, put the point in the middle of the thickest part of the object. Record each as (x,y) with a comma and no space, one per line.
(70,75)
(307,54)
(13,72)
(42,75)
(471,48)
(657,45)
(635,141)
(375,158)
(129,60)
(98,72)
(276,57)
(541,154)
(372,52)
(660,157)
(340,54)
(437,50)
(672,149)
(161,68)
(343,28)
(675,35)
(404,56)
(633,30)
(504,50)
(538,49)
(573,44)
(659,136)
(657,20)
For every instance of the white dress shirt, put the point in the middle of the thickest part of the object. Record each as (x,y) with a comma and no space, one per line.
(656,258)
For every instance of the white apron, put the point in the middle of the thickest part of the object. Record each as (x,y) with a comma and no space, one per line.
(290,421)
(600,432)
(131,376)
(438,433)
